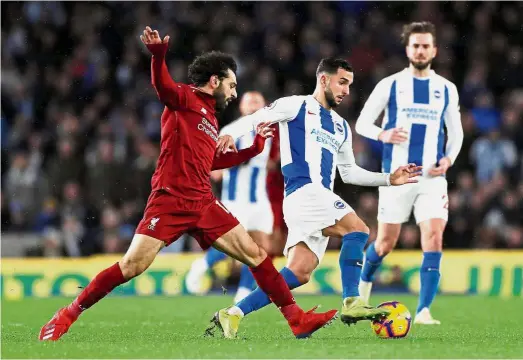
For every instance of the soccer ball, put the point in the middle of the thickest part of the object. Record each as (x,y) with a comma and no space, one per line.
(396,325)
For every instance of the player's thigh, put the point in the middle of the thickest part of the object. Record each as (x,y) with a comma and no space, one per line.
(219,228)
(432,234)
(140,255)
(347,224)
(432,201)
(238,244)
(395,203)
(302,261)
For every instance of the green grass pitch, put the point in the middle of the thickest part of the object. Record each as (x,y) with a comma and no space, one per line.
(173,327)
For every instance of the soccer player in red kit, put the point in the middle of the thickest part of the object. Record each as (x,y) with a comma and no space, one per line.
(181,199)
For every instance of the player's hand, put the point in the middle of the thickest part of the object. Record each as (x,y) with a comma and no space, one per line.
(441,169)
(405,175)
(265,130)
(152,37)
(225,144)
(393,136)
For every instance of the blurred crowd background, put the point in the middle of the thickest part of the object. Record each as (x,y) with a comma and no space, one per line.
(80,121)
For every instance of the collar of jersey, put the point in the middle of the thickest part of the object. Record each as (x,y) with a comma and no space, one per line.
(431,74)
(209,99)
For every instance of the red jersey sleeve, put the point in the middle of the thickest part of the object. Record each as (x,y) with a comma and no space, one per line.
(170,93)
(230,159)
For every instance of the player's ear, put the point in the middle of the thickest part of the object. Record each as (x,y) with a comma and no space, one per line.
(214,81)
(323,80)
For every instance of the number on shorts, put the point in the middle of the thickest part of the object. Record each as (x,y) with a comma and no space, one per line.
(223,207)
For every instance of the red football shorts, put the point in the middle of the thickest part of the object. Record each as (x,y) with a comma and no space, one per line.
(167,217)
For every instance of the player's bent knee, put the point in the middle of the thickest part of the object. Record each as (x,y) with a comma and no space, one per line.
(302,275)
(354,224)
(258,258)
(303,278)
(435,240)
(131,268)
(436,236)
(140,255)
(384,247)
(364,228)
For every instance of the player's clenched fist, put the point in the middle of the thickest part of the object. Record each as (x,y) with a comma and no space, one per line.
(405,175)
(151,37)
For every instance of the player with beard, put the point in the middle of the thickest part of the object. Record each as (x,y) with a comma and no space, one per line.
(418,105)
(314,139)
(181,199)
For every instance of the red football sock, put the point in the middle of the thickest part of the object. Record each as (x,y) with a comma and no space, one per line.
(272,283)
(98,288)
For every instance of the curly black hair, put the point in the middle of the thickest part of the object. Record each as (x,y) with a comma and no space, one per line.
(331,66)
(209,64)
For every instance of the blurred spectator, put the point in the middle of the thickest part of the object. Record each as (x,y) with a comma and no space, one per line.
(485,114)
(67,166)
(106,179)
(23,186)
(492,154)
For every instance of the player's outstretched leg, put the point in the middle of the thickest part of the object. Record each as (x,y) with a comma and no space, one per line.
(385,242)
(432,244)
(354,235)
(199,267)
(239,245)
(300,265)
(139,256)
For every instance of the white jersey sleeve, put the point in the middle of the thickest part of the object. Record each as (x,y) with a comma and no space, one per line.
(452,118)
(281,110)
(351,173)
(373,107)
(233,127)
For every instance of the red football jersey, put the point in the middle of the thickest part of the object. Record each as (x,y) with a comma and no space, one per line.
(188,138)
(188,145)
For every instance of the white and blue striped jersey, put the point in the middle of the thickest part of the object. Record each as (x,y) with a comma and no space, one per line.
(423,107)
(246,183)
(313,141)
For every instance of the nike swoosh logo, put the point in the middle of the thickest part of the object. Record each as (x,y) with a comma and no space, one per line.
(311,113)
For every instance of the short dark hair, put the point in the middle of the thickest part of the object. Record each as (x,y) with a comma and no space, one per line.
(209,64)
(422,27)
(331,66)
